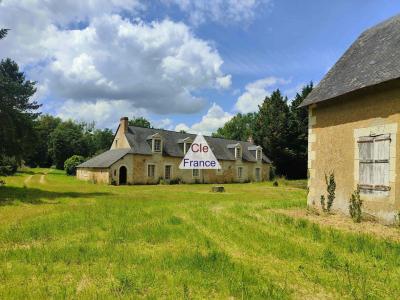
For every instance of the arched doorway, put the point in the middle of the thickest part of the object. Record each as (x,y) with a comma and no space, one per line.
(122,175)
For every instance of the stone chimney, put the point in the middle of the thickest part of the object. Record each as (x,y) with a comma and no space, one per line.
(250,139)
(124,124)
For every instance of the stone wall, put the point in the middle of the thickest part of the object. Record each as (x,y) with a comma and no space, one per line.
(334,128)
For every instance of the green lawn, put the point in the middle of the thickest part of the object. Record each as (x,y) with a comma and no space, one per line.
(62,238)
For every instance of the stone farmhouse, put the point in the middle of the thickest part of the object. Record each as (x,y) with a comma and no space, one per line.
(145,156)
(354,116)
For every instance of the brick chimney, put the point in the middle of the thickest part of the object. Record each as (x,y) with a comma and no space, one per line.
(124,124)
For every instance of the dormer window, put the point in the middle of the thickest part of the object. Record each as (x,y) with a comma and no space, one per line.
(258,154)
(238,152)
(186,147)
(156,145)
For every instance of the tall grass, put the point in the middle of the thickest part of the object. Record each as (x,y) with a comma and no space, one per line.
(80,240)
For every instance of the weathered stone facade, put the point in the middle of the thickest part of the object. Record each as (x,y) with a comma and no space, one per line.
(334,130)
(137,170)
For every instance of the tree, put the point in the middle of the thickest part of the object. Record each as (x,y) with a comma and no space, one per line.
(66,140)
(140,122)
(272,132)
(240,127)
(3,32)
(39,155)
(17,111)
(298,134)
(71,163)
(102,140)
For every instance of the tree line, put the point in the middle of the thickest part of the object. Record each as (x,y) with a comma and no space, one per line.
(280,127)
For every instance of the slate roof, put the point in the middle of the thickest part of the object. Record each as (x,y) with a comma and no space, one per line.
(105,159)
(137,138)
(372,59)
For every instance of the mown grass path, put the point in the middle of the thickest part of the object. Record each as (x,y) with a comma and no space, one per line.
(62,238)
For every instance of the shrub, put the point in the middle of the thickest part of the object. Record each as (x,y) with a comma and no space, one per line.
(330,188)
(355,206)
(8,165)
(275,183)
(71,163)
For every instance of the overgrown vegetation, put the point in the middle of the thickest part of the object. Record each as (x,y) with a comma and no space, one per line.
(71,163)
(355,206)
(63,238)
(326,203)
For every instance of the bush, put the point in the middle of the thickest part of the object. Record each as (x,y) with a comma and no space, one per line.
(330,188)
(8,165)
(355,206)
(71,163)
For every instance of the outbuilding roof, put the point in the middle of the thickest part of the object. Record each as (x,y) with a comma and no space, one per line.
(106,159)
(372,59)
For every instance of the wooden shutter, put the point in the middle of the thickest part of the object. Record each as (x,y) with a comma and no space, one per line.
(381,162)
(366,156)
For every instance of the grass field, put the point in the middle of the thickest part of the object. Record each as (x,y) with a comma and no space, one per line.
(62,238)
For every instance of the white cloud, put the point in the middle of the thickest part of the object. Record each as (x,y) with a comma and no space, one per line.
(255,93)
(221,11)
(215,118)
(155,67)
(104,113)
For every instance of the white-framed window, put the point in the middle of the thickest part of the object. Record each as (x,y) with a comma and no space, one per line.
(195,173)
(238,152)
(257,174)
(151,170)
(239,172)
(168,172)
(374,164)
(156,145)
(258,154)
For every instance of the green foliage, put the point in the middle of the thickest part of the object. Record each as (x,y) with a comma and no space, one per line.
(330,188)
(273,131)
(66,140)
(71,163)
(240,127)
(8,165)
(17,111)
(355,206)
(140,122)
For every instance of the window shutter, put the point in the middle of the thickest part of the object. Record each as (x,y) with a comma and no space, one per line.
(381,157)
(366,156)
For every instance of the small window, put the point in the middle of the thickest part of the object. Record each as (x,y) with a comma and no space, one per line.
(238,153)
(240,172)
(157,145)
(258,154)
(374,164)
(167,173)
(196,173)
(151,170)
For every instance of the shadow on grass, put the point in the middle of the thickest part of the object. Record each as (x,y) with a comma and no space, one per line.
(9,194)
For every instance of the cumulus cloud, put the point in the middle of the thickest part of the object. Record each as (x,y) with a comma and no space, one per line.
(221,11)
(215,118)
(255,93)
(105,113)
(156,67)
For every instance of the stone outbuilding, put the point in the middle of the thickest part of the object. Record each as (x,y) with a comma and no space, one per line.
(354,116)
(147,156)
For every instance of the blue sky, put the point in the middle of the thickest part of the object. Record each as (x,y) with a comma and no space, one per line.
(183,64)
